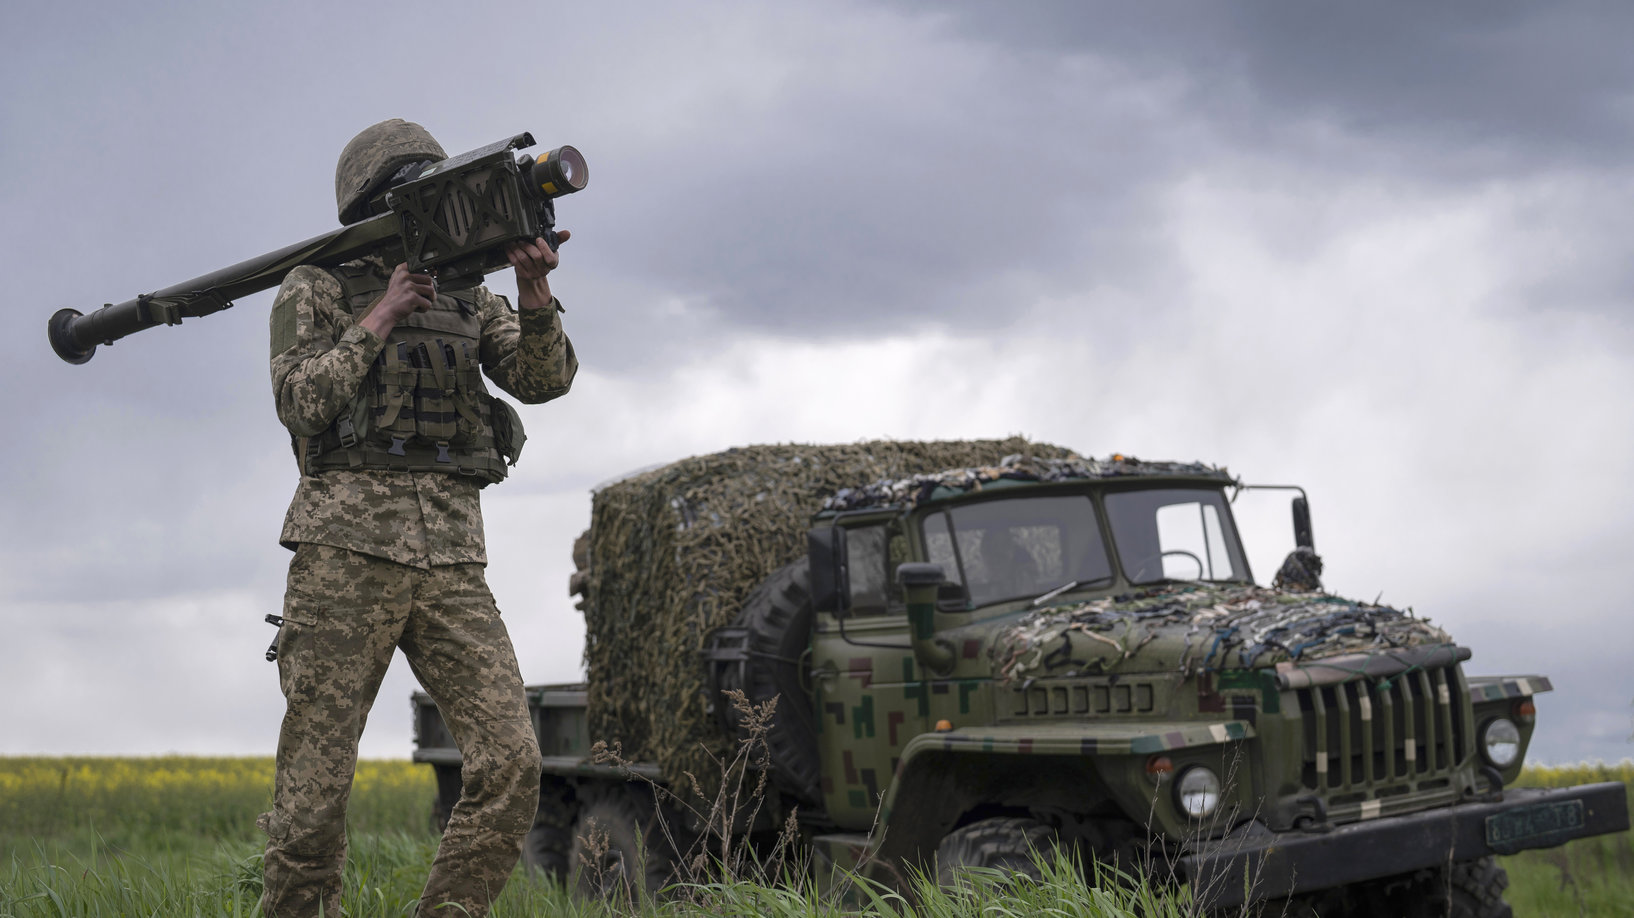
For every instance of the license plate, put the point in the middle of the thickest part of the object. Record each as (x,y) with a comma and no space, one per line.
(1534,826)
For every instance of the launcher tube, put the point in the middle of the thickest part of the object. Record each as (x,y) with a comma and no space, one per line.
(74,336)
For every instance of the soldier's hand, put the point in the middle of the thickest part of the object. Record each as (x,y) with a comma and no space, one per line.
(405,293)
(533,259)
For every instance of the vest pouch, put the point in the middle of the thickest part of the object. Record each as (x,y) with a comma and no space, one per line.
(390,398)
(435,417)
(472,423)
(508,433)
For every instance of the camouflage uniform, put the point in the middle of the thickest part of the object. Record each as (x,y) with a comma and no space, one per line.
(386,560)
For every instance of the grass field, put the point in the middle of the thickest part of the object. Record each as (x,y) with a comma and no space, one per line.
(87,837)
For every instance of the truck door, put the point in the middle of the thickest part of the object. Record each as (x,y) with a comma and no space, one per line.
(869,698)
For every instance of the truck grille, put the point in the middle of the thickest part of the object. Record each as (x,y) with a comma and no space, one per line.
(1404,728)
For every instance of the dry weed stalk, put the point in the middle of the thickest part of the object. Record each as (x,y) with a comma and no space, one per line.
(598,842)
(711,834)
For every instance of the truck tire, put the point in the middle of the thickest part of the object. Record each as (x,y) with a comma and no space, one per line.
(1001,843)
(618,843)
(549,844)
(777,616)
(1467,889)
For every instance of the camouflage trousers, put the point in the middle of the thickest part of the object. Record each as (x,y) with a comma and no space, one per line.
(344,615)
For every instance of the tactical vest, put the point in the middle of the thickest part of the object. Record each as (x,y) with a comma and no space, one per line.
(423,406)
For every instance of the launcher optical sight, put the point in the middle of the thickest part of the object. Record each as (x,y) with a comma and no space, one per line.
(453,221)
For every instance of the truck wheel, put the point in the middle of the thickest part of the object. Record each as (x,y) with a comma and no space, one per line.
(1002,843)
(777,616)
(549,844)
(618,843)
(1468,889)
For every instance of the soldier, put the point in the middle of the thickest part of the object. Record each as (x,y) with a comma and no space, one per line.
(376,374)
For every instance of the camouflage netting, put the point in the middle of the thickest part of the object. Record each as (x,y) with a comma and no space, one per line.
(1016,467)
(673,552)
(1228,627)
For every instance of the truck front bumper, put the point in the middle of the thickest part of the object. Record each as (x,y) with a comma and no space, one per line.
(1268,865)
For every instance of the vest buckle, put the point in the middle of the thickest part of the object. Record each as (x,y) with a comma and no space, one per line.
(397,446)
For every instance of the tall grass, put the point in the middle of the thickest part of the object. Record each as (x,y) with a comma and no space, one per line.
(94,837)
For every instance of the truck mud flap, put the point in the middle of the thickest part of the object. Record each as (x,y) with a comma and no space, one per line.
(1229,871)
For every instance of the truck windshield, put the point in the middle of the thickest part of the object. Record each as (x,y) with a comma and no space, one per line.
(1020,547)
(1175,534)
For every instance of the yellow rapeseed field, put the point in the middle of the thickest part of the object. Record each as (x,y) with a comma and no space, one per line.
(216,797)
(1569,775)
(158,775)
(45,796)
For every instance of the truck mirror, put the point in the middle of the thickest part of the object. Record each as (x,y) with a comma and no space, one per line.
(1302,523)
(919,574)
(830,577)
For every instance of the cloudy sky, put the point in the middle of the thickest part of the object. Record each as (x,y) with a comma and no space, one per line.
(1384,253)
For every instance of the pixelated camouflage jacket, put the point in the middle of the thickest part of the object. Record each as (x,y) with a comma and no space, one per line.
(319,360)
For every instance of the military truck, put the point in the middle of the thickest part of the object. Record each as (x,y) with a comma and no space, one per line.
(1030,650)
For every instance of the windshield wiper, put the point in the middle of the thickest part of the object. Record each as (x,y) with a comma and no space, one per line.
(1055,592)
(1069,585)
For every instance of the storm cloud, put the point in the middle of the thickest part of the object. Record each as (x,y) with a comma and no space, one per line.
(1382,251)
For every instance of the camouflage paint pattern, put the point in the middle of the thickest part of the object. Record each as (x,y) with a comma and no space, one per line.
(345,613)
(869,705)
(319,361)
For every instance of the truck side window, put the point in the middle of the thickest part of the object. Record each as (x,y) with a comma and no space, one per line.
(865,556)
(939,547)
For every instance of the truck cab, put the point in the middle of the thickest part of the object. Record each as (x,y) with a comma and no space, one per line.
(1008,551)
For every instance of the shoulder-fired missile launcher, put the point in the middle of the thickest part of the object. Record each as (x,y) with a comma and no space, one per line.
(453,220)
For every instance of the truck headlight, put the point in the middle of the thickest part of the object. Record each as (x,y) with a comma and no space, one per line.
(1501,742)
(1197,792)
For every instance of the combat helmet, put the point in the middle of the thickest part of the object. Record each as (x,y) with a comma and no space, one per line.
(372,156)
